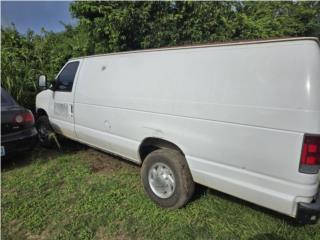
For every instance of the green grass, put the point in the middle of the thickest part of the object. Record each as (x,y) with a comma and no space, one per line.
(86,194)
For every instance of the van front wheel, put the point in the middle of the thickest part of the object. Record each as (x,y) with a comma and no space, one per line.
(167,179)
(45,132)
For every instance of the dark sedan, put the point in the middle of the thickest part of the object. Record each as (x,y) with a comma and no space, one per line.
(18,132)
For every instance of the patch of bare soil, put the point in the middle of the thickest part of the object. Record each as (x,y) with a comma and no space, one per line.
(44,235)
(102,162)
(102,235)
(14,231)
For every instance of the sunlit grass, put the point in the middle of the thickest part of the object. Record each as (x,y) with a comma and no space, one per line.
(85,194)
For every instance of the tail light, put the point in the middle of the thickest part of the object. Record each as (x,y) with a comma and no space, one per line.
(24,118)
(310,155)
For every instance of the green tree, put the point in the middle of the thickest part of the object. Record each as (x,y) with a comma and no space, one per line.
(118,26)
(25,57)
(18,64)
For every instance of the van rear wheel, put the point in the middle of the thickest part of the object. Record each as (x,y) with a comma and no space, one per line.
(167,179)
(45,132)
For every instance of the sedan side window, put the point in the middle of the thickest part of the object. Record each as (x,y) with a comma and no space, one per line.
(66,77)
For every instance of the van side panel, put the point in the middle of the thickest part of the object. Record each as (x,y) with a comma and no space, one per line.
(237,112)
(271,85)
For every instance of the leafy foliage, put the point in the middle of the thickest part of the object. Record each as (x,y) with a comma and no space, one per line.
(120,26)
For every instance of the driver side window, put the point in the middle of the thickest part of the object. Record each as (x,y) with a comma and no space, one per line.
(66,77)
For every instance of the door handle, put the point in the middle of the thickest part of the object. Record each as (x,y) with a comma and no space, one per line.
(71,110)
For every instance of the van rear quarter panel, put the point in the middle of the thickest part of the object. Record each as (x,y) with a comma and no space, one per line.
(237,112)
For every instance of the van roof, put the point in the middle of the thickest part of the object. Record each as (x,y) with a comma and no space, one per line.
(205,45)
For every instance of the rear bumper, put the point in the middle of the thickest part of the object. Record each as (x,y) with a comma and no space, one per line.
(308,213)
(20,141)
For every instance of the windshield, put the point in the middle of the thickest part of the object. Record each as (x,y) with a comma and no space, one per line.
(6,99)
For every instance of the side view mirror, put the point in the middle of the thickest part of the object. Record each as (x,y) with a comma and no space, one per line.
(53,85)
(42,82)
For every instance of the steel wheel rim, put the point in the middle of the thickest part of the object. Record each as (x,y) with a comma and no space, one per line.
(161,180)
(43,132)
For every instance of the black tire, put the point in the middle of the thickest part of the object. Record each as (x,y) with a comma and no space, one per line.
(44,130)
(184,185)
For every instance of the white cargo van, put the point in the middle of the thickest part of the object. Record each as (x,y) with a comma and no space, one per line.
(242,118)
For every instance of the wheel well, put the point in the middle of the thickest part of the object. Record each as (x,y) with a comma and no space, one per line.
(41,112)
(151,144)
